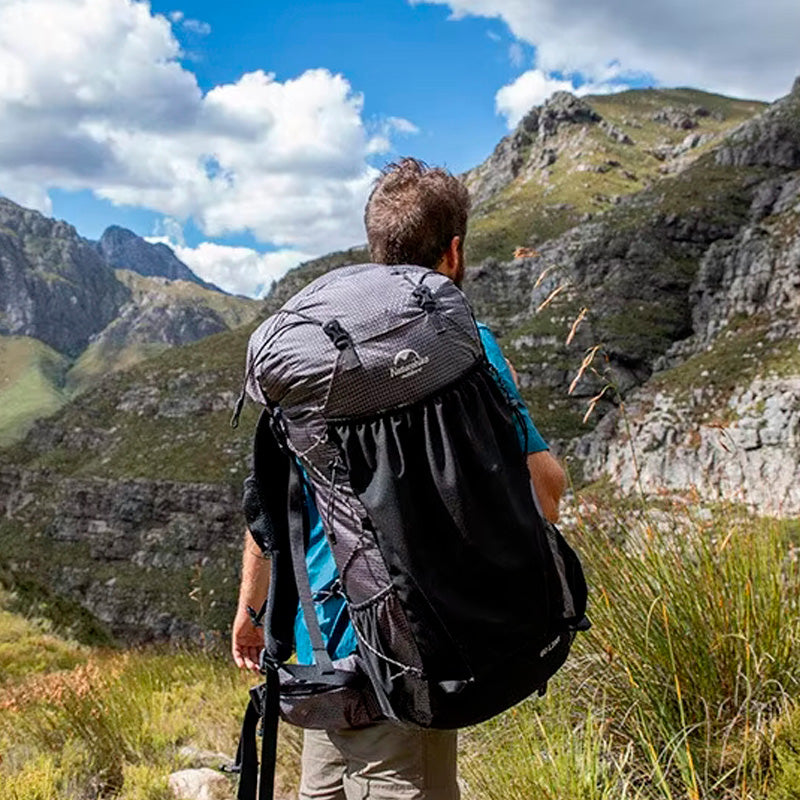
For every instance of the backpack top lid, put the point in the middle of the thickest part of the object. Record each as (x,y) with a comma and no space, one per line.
(360,340)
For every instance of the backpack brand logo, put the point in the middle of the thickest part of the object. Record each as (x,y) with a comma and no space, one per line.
(549,647)
(407,363)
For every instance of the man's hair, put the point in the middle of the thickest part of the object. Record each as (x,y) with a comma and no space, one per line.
(413,213)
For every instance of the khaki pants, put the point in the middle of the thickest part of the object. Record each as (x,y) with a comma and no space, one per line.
(381,762)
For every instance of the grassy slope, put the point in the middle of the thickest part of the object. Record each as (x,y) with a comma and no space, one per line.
(532,210)
(684,688)
(197,447)
(107,355)
(31,377)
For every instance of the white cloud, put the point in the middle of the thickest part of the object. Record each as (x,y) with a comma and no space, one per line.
(197,26)
(92,95)
(402,125)
(743,48)
(239,270)
(533,87)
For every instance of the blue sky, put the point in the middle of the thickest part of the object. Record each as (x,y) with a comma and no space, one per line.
(247,135)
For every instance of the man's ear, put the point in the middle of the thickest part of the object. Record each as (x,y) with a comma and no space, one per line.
(452,263)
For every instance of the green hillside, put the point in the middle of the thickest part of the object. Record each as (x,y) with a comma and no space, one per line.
(593,171)
(31,384)
(191,440)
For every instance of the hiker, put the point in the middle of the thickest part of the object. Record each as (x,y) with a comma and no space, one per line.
(415,215)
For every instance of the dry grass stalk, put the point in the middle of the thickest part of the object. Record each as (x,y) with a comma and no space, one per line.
(585,364)
(580,318)
(542,275)
(552,296)
(593,402)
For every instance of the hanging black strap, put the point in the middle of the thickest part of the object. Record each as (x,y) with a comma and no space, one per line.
(265,699)
(298,527)
(264,705)
(269,735)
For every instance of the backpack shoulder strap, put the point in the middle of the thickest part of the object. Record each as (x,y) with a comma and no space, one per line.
(298,531)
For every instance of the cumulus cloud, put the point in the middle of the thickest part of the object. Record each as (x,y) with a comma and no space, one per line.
(744,49)
(93,95)
(533,87)
(239,270)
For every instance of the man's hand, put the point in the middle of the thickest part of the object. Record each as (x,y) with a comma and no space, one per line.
(247,641)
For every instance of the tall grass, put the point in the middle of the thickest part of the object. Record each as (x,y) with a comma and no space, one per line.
(685,688)
(676,691)
(115,726)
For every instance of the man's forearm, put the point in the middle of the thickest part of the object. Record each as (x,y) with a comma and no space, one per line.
(246,640)
(549,481)
(255,575)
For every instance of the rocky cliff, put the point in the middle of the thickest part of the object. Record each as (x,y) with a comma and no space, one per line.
(53,284)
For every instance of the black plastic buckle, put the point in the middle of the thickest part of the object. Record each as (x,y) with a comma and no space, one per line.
(337,334)
(424,297)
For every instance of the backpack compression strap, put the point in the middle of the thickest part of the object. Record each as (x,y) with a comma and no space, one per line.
(265,699)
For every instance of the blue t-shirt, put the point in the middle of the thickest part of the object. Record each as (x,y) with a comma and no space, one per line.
(331,609)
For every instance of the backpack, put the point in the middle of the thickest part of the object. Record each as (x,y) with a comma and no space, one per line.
(379,396)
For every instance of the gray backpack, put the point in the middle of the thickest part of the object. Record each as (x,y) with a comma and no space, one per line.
(463,599)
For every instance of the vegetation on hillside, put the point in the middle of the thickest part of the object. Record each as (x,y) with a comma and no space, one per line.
(31,381)
(685,687)
(593,172)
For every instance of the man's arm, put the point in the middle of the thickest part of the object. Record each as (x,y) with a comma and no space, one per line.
(247,641)
(549,481)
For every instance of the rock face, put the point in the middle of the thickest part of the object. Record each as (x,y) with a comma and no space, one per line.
(53,284)
(771,140)
(123,249)
(158,559)
(527,145)
(691,293)
(745,449)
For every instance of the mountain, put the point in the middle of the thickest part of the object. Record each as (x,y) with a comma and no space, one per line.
(67,317)
(54,286)
(123,249)
(573,158)
(161,313)
(673,298)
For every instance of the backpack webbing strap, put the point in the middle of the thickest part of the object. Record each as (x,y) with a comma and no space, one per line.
(264,705)
(298,526)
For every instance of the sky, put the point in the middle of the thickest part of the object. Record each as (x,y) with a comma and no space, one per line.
(247,135)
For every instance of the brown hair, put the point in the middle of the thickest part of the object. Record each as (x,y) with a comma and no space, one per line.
(413,213)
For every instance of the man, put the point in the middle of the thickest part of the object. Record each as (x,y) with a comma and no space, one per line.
(415,215)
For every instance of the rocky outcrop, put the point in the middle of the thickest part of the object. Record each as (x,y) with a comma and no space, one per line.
(747,450)
(770,140)
(155,559)
(53,284)
(528,146)
(123,249)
